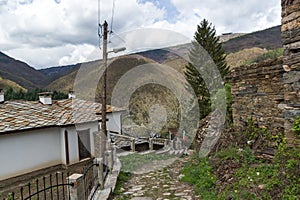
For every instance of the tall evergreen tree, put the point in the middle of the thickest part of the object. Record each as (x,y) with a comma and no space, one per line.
(206,38)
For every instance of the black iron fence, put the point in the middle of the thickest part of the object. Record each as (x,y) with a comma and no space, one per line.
(90,178)
(54,187)
(57,186)
(80,185)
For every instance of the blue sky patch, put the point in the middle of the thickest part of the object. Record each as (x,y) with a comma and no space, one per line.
(25,2)
(171,11)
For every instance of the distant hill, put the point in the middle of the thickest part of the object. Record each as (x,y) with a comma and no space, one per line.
(85,76)
(265,39)
(167,54)
(54,73)
(90,70)
(225,37)
(21,73)
(239,58)
(5,84)
(61,77)
(170,56)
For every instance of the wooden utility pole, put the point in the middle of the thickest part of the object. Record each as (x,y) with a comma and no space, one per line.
(103,114)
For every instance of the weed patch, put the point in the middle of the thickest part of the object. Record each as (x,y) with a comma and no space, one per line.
(134,161)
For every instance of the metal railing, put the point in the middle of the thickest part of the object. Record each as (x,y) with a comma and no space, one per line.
(90,176)
(53,187)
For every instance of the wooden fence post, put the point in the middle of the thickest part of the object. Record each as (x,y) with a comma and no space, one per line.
(150,143)
(133,145)
(109,157)
(165,144)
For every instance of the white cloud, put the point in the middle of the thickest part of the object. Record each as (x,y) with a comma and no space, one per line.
(79,53)
(54,32)
(233,15)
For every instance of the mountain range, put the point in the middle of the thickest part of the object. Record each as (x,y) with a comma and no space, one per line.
(19,75)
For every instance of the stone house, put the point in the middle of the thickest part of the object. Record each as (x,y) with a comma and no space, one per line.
(36,135)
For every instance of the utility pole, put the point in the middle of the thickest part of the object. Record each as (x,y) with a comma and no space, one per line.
(103,96)
(103,114)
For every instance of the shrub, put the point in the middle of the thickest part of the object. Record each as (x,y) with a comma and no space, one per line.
(296,126)
(269,55)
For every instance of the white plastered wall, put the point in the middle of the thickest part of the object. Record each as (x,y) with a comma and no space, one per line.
(28,151)
(114,121)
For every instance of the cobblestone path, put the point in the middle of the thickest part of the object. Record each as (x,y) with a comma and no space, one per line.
(162,184)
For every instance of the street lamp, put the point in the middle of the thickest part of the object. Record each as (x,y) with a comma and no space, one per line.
(105,55)
(117,50)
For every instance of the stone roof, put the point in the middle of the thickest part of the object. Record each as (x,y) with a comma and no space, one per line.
(23,115)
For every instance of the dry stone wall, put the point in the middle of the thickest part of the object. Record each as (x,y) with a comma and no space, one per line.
(258,92)
(291,63)
(269,92)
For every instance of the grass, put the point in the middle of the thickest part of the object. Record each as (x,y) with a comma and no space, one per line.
(122,178)
(239,58)
(270,55)
(199,173)
(134,161)
(253,179)
(230,153)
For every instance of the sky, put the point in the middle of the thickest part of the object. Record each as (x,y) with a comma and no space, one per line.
(45,33)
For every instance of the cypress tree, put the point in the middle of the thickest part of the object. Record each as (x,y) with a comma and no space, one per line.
(206,38)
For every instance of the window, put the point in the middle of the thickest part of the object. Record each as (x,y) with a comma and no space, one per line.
(84,144)
(67,147)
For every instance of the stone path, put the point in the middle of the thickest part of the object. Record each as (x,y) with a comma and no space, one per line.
(162,184)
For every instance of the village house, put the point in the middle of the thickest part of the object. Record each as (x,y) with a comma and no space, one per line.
(35,135)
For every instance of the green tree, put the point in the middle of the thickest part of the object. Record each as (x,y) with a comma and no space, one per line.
(198,71)
(31,95)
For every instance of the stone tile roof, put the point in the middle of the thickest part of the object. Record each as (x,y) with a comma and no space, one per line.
(22,115)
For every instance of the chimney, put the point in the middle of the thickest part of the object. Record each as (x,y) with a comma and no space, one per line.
(72,94)
(1,96)
(45,98)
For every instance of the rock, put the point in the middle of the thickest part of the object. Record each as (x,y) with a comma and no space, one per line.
(261,187)
(181,176)
(179,194)
(229,198)
(128,193)
(135,189)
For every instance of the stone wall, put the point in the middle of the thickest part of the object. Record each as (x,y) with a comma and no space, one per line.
(269,92)
(291,62)
(258,92)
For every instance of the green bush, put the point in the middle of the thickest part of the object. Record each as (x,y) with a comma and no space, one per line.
(273,54)
(31,95)
(296,126)
(9,197)
(231,153)
(252,176)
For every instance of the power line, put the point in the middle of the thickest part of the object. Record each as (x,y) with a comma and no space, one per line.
(100,33)
(100,26)
(112,16)
(99,8)
(112,20)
